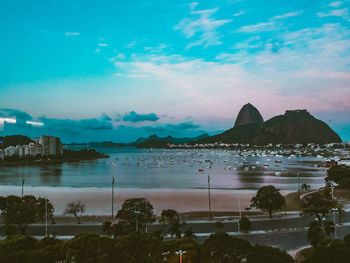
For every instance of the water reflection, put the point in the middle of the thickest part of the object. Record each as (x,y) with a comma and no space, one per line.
(51,175)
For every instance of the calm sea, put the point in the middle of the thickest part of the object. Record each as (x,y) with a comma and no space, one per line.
(177,169)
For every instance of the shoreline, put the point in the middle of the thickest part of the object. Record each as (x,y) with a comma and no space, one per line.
(98,200)
(50,162)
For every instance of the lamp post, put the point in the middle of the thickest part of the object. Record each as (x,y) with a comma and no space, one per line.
(46,216)
(240,212)
(180,253)
(209,197)
(137,212)
(333,213)
(22,186)
(113,181)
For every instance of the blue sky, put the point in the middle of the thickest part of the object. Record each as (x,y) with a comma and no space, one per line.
(117,70)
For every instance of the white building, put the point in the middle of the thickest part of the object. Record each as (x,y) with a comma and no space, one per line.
(51,146)
(33,149)
(20,150)
(10,151)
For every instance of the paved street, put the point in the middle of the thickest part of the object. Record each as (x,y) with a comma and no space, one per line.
(285,233)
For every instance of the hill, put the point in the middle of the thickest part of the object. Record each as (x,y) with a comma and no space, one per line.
(295,126)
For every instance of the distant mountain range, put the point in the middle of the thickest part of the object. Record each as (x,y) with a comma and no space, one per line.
(152,141)
(295,126)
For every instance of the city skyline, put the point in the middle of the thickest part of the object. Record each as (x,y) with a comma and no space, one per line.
(118,71)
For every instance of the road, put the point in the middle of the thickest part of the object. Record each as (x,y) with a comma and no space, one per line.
(285,233)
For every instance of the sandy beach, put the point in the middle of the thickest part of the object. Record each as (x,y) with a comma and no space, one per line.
(98,200)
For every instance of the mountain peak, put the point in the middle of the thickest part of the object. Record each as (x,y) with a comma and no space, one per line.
(248,115)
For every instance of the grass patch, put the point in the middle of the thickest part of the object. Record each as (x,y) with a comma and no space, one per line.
(292,202)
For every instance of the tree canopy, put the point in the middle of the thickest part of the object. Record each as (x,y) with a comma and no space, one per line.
(137,210)
(340,175)
(22,211)
(269,199)
(318,204)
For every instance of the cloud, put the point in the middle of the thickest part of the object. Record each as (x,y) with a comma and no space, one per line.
(72,34)
(76,126)
(336,4)
(344,13)
(203,26)
(19,115)
(287,15)
(259,27)
(272,24)
(102,44)
(136,117)
(239,13)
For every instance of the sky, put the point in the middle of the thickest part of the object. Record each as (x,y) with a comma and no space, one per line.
(89,70)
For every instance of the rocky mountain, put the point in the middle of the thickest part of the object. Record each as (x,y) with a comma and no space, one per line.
(248,115)
(295,126)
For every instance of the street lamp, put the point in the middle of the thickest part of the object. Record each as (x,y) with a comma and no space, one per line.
(333,213)
(209,197)
(180,253)
(240,212)
(113,181)
(137,212)
(46,216)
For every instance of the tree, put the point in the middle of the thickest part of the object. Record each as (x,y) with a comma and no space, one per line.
(318,204)
(305,187)
(117,229)
(222,248)
(188,234)
(340,175)
(138,247)
(336,251)
(269,199)
(42,202)
(22,211)
(170,215)
(175,228)
(137,211)
(245,224)
(90,248)
(328,227)
(265,254)
(170,249)
(77,209)
(315,234)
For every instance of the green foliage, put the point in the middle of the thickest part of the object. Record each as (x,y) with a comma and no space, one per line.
(22,211)
(305,187)
(339,175)
(169,249)
(245,224)
(137,210)
(25,249)
(170,215)
(90,248)
(188,234)
(269,199)
(120,228)
(138,247)
(175,228)
(264,254)
(333,251)
(315,234)
(222,248)
(318,204)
